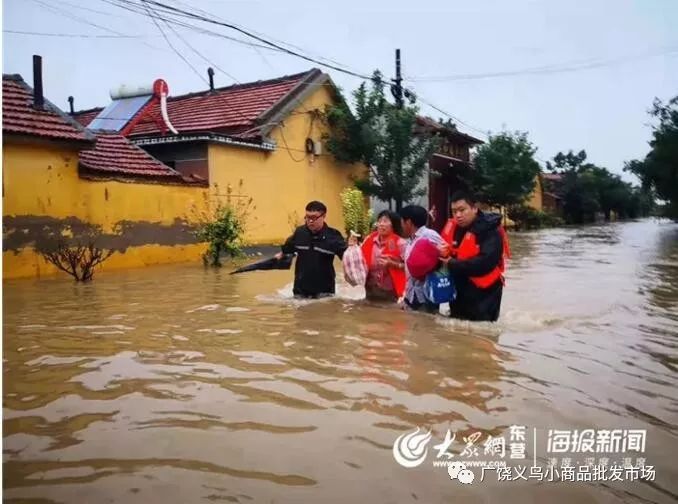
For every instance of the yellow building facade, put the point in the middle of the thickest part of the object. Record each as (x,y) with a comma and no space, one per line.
(536,199)
(44,193)
(283,181)
(153,222)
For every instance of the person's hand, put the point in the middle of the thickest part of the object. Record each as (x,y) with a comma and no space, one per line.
(445,250)
(352,240)
(383,262)
(278,256)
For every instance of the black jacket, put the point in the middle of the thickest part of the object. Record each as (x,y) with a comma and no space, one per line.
(474,303)
(314,272)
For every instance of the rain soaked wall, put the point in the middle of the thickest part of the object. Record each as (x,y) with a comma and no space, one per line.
(146,223)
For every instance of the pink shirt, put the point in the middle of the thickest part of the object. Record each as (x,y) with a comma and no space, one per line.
(378,276)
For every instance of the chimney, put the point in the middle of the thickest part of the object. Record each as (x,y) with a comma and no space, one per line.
(38,97)
(70,103)
(210,73)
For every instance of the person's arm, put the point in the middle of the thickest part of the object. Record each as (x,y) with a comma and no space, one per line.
(399,263)
(491,249)
(338,244)
(288,246)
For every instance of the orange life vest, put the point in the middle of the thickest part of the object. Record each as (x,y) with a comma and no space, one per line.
(469,248)
(392,250)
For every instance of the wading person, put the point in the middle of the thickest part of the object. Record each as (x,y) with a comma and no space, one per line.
(315,244)
(420,258)
(475,247)
(384,254)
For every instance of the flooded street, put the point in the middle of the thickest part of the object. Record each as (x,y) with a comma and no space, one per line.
(180,384)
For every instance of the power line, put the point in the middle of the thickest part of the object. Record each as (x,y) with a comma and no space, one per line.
(173,48)
(363,77)
(169,8)
(151,12)
(287,147)
(135,8)
(71,35)
(454,118)
(549,69)
(73,17)
(213,16)
(88,9)
(200,55)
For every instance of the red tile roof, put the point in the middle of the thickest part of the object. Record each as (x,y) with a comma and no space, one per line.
(553,177)
(428,123)
(116,155)
(20,117)
(229,110)
(85,117)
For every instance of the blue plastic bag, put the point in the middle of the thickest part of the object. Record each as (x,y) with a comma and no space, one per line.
(439,286)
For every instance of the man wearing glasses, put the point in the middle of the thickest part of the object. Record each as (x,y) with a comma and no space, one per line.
(315,244)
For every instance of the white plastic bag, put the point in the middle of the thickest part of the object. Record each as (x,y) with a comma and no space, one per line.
(355,268)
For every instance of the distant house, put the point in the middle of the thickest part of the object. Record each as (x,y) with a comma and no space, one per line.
(443,175)
(265,135)
(551,201)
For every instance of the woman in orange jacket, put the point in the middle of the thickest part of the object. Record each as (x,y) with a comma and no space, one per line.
(384,251)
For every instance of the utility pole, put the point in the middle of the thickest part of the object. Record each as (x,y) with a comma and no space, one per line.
(397,88)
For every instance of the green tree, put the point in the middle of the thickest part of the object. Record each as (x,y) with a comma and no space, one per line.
(505,169)
(578,186)
(223,228)
(588,189)
(357,216)
(659,170)
(381,136)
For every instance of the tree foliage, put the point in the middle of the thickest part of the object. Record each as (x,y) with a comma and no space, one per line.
(587,190)
(357,216)
(383,137)
(505,170)
(224,229)
(659,170)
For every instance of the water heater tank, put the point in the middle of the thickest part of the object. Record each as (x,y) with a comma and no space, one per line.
(129,91)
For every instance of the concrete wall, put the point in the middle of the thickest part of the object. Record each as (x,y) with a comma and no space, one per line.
(147,223)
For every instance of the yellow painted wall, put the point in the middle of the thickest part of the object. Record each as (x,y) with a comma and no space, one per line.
(536,198)
(40,181)
(282,182)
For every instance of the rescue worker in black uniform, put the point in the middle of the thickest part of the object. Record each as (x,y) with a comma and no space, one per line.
(476,247)
(315,244)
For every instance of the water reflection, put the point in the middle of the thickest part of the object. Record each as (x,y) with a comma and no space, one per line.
(176,384)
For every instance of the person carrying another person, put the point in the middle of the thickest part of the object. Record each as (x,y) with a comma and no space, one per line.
(384,253)
(474,250)
(315,244)
(422,255)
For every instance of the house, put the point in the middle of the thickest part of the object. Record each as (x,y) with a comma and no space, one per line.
(259,140)
(59,178)
(146,169)
(445,170)
(550,185)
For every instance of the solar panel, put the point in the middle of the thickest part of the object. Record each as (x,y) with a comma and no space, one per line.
(118,113)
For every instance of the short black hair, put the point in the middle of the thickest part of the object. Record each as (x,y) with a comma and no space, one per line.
(467,196)
(396,222)
(316,206)
(415,213)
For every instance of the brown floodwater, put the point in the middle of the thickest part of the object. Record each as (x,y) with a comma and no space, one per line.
(180,384)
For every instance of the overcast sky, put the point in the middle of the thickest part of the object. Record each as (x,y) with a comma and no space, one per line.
(601,62)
